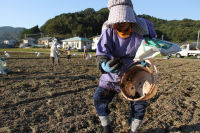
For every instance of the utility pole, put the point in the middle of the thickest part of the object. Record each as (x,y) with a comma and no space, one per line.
(41,35)
(162,37)
(198,39)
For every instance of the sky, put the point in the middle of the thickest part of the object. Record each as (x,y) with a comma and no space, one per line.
(29,13)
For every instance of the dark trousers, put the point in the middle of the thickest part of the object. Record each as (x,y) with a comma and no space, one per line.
(102,97)
(53,60)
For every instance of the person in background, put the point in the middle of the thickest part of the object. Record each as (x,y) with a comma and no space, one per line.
(85,51)
(55,53)
(68,52)
(121,36)
(3,66)
(6,54)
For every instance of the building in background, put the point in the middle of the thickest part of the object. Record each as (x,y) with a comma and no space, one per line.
(9,43)
(45,41)
(77,43)
(95,40)
(27,42)
(30,41)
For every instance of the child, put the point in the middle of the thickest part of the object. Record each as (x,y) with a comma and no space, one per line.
(68,52)
(121,36)
(85,52)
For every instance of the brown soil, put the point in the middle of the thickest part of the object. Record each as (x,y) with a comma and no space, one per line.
(35,97)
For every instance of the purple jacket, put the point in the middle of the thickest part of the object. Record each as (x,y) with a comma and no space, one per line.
(111,45)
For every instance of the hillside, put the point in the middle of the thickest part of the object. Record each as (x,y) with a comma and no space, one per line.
(8,32)
(89,22)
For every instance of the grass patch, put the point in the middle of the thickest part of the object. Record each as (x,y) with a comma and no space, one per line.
(32,50)
(25,49)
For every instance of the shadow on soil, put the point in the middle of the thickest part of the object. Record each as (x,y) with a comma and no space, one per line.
(164,93)
(47,97)
(183,129)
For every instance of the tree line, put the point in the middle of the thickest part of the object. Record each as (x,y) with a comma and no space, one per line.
(88,23)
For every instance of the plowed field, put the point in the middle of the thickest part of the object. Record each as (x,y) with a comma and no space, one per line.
(35,97)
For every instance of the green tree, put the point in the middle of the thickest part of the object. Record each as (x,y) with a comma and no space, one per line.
(89,22)
(32,32)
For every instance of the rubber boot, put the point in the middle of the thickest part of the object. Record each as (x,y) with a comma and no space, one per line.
(131,132)
(135,124)
(107,129)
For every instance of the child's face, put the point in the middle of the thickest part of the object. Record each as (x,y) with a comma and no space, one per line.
(123,26)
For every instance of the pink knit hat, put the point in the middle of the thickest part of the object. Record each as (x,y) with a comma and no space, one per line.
(120,11)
